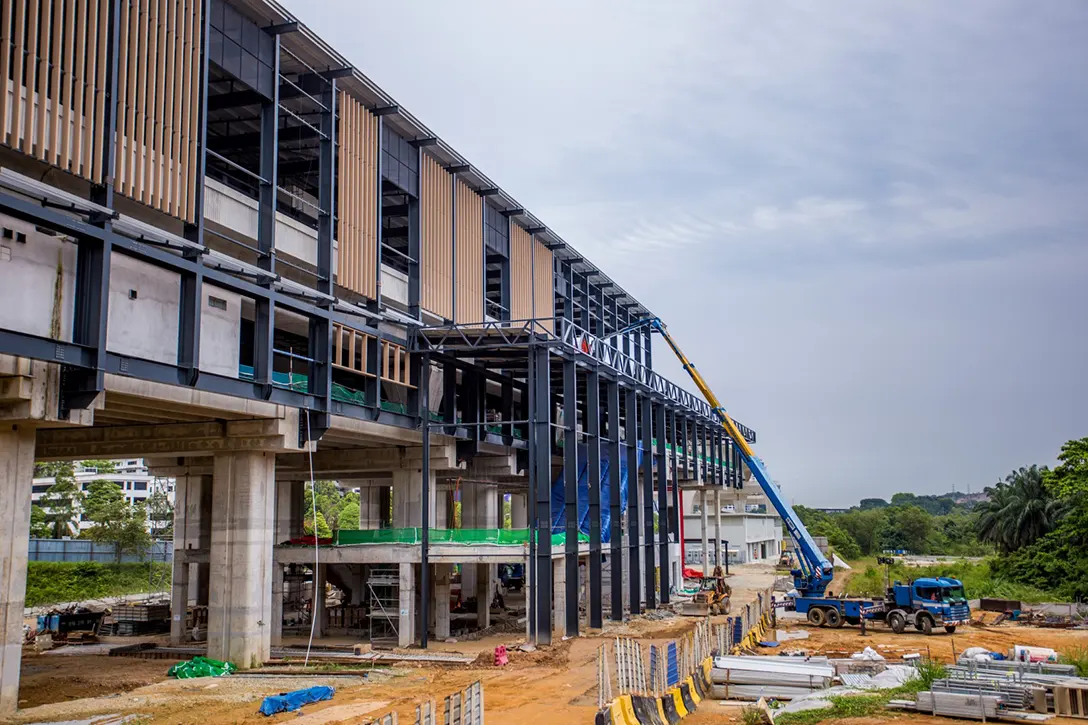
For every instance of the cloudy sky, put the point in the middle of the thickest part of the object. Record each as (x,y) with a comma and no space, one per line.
(865,222)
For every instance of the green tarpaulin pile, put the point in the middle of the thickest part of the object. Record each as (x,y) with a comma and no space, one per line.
(201,667)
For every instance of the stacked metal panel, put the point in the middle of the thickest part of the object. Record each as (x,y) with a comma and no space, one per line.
(955,704)
(749,678)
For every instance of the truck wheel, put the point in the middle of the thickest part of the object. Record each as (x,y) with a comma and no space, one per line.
(816,617)
(897,622)
(950,628)
(926,623)
(834,618)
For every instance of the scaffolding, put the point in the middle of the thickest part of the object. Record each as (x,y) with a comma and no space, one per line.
(383,589)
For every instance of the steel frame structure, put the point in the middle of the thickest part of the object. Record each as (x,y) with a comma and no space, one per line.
(574,356)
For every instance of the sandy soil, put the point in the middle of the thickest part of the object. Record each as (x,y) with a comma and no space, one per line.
(554,685)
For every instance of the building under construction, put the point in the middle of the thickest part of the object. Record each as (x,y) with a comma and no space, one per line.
(226,251)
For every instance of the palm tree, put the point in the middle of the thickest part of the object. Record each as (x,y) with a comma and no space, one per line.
(1020,511)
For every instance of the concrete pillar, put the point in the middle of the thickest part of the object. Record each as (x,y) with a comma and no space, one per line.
(179,599)
(704,502)
(276,621)
(442,601)
(559,596)
(320,611)
(485,592)
(718,528)
(243,517)
(16,475)
(370,507)
(408,498)
(406,628)
(519,511)
(290,502)
(358,584)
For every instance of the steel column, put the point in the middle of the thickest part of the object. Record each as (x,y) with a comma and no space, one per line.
(265,310)
(615,481)
(570,483)
(647,501)
(540,477)
(662,504)
(425,515)
(630,410)
(594,605)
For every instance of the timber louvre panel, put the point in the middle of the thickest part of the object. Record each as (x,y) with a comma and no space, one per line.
(469,280)
(59,49)
(357,198)
(436,265)
(521,273)
(543,285)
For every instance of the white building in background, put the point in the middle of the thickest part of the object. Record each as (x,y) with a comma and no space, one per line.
(748,534)
(130,474)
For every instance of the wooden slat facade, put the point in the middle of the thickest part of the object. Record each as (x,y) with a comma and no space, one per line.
(357,198)
(59,50)
(543,284)
(521,273)
(436,239)
(469,268)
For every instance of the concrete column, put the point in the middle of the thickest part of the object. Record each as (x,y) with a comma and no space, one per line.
(442,601)
(289,512)
(358,584)
(179,598)
(706,528)
(519,511)
(406,628)
(276,622)
(320,611)
(16,475)
(370,507)
(559,595)
(718,528)
(484,594)
(408,498)
(243,516)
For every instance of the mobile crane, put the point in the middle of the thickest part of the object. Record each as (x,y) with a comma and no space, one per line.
(925,602)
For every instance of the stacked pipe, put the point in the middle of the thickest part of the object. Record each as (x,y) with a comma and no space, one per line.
(750,678)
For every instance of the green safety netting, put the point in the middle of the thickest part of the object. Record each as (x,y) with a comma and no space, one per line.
(507,537)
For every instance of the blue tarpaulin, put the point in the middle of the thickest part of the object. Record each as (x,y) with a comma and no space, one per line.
(291,701)
(559,497)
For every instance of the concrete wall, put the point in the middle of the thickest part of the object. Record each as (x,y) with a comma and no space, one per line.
(28,275)
(147,326)
(237,212)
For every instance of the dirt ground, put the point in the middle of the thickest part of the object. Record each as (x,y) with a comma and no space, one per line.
(555,685)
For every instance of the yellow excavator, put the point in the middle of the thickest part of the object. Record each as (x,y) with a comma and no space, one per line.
(712,597)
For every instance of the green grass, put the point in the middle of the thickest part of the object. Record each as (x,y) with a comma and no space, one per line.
(1076,655)
(978,580)
(52,582)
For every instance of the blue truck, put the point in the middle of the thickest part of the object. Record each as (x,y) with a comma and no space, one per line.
(926,604)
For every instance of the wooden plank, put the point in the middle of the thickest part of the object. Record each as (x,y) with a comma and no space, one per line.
(5,68)
(71,30)
(53,144)
(19,50)
(97,133)
(45,28)
(194,166)
(177,98)
(78,89)
(136,190)
(90,142)
(32,9)
(155,109)
(468,284)
(124,142)
(521,273)
(543,285)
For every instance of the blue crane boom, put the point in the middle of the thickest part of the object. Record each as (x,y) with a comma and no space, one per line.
(814,574)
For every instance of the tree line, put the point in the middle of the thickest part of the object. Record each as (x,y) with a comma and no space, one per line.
(131,527)
(1033,525)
